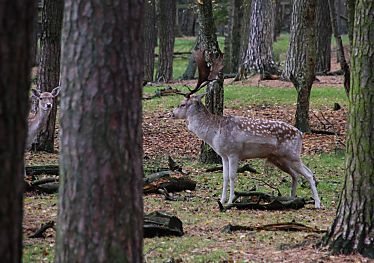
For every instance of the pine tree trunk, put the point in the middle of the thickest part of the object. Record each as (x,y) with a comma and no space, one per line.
(16,27)
(351,17)
(232,37)
(190,71)
(244,36)
(323,27)
(259,54)
(353,228)
(300,62)
(49,66)
(150,39)
(100,215)
(187,19)
(167,9)
(214,98)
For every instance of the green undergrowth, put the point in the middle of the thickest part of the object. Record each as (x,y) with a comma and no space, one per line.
(241,97)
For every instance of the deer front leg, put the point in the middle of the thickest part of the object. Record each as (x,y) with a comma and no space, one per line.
(233,167)
(225,163)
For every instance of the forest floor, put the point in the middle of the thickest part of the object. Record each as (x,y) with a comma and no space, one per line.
(204,240)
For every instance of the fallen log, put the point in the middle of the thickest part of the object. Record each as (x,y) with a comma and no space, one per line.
(158,224)
(244,168)
(42,169)
(273,227)
(40,232)
(170,184)
(263,201)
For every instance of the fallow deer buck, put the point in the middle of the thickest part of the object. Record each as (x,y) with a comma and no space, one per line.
(38,121)
(237,138)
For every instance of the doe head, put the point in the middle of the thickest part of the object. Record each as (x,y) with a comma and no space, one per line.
(45,98)
(189,106)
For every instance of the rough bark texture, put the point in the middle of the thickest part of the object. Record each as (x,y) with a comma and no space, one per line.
(190,71)
(353,228)
(186,17)
(323,27)
(49,66)
(259,54)
(16,34)
(150,39)
(244,36)
(214,99)
(351,17)
(300,62)
(100,199)
(232,36)
(166,29)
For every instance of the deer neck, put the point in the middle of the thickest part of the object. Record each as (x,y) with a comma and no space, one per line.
(204,124)
(36,124)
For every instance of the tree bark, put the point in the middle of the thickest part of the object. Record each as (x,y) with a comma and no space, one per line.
(100,199)
(323,27)
(214,98)
(49,66)
(166,35)
(244,36)
(16,27)
(351,17)
(150,39)
(353,228)
(187,18)
(190,71)
(300,62)
(259,54)
(232,36)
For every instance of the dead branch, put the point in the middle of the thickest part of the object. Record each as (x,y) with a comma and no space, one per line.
(40,232)
(244,168)
(273,227)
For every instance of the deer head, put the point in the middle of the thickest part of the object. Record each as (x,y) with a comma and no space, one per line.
(189,107)
(45,98)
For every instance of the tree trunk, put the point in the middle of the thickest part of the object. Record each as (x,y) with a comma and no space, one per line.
(353,228)
(187,19)
(49,66)
(259,54)
(244,36)
(214,98)
(339,47)
(100,215)
(16,27)
(190,71)
(166,30)
(300,62)
(278,19)
(232,38)
(150,39)
(323,27)
(351,17)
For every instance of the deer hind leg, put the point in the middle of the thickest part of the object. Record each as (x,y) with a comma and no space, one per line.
(225,163)
(286,167)
(302,169)
(233,167)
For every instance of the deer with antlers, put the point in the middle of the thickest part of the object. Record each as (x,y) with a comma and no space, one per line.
(237,138)
(38,121)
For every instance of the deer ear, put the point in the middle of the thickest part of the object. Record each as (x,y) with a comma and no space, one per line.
(56,91)
(35,93)
(199,97)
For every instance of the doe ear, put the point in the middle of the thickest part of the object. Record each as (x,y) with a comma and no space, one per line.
(35,93)
(200,96)
(56,91)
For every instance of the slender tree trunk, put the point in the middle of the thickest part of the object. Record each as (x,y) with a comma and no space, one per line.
(339,46)
(214,98)
(150,39)
(16,27)
(166,30)
(353,228)
(323,27)
(100,216)
(277,18)
(300,63)
(259,54)
(49,66)
(190,71)
(187,19)
(232,38)
(244,36)
(351,17)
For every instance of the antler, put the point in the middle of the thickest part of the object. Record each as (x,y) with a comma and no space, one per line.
(206,73)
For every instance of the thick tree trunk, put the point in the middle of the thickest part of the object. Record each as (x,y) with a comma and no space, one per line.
(232,36)
(353,228)
(187,19)
(214,98)
(300,63)
(167,9)
(259,54)
(150,39)
(16,27)
(100,199)
(277,18)
(49,66)
(244,36)
(323,27)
